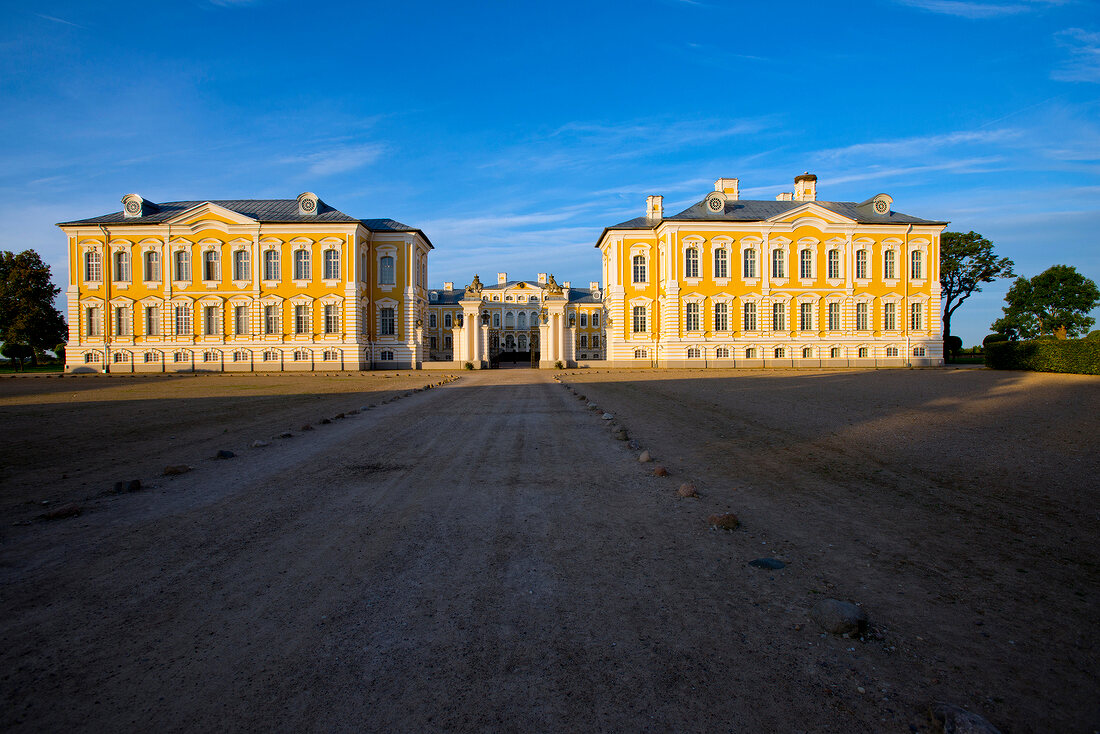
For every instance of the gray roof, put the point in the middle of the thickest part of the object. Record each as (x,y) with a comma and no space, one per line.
(752,210)
(453,297)
(270,211)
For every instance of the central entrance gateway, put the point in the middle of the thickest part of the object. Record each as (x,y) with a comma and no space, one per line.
(513,350)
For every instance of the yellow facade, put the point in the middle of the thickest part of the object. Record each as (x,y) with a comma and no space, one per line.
(794,282)
(242,285)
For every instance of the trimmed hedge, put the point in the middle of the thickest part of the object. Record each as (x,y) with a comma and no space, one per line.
(1079,356)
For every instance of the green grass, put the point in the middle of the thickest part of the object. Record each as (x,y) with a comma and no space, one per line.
(7,369)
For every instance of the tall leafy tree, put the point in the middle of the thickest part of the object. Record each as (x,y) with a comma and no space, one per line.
(27,313)
(1055,302)
(966,261)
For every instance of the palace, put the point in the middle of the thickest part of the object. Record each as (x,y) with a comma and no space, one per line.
(785,283)
(293,284)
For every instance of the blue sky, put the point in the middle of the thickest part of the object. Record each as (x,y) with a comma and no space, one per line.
(512,133)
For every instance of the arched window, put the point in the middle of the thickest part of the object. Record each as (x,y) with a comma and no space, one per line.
(271,265)
(780,352)
(210,265)
(861,317)
(638,320)
(509,320)
(385,272)
(721,263)
(496,320)
(122,267)
(891,351)
(641,354)
(691,262)
(523,342)
(721,317)
(432,321)
(779,264)
(863,352)
(722,352)
(807,352)
(152,266)
(750,353)
(510,343)
(694,353)
(861,264)
(446,321)
(834,264)
(242,263)
(301,265)
(521,320)
(691,317)
(806,264)
(182,265)
(332,264)
(749,265)
(93,267)
(535,319)
(889,264)
(915,270)
(834,353)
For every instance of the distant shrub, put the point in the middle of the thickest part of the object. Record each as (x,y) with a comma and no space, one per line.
(1094,335)
(558,365)
(952,344)
(1077,356)
(468,365)
(994,338)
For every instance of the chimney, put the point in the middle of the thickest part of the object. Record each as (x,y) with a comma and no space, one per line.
(805,187)
(593,285)
(565,285)
(785,196)
(542,278)
(449,285)
(727,186)
(502,278)
(655,207)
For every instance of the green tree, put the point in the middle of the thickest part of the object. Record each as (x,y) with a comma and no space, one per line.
(27,313)
(966,261)
(17,353)
(1055,302)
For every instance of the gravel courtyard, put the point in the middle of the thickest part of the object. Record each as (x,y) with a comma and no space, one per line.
(485,556)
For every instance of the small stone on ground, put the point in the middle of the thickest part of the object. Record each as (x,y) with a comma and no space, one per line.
(955,720)
(172,469)
(133,485)
(772,564)
(224,454)
(644,458)
(724,521)
(839,617)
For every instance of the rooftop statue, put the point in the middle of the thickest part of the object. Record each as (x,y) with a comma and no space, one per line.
(552,287)
(475,286)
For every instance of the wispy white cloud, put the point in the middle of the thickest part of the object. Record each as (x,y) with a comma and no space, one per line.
(920,145)
(978,10)
(1084,62)
(60,20)
(339,160)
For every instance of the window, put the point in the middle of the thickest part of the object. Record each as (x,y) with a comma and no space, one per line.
(210,265)
(834,353)
(152,266)
(641,354)
(385,273)
(209,356)
(150,357)
(240,356)
(721,263)
(386,356)
(119,357)
(638,320)
(332,264)
(750,353)
(387,326)
(271,265)
(807,352)
(691,262)
(332,318)
(496,320)
(240,320)
(122,321)
(721,317)
(301,265)
(509,320)
(694,353)
(330,355)
(891,351)
(432,322)
(749,264)
(779,264)
(889,265)
(915,270)
(779,317)
(890,316)
(210,320)
(122,267)
(301,319)
(834,264)
(152,321)
(806,264)
(834,317)
(271,319)
(691,317)
(241,265)
(90,357)
(918,351)
(722,353)
(584,341)
(181,261)
(861,317)
(584,320)
(863,352)
(363,267)
(433,342)
(595,341)
(805,316)
(271,356)
(521,320)
(179,356)
(861,264)
(750,317)
(183,320)
(447,321)
(915,316)
(93,266)
(447,342)
(780,352)
(301,355)
(595,320)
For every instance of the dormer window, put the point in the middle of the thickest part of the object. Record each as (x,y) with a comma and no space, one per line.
(132,206)
(308,204)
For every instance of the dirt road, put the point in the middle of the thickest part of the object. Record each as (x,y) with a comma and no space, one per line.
(478,557)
